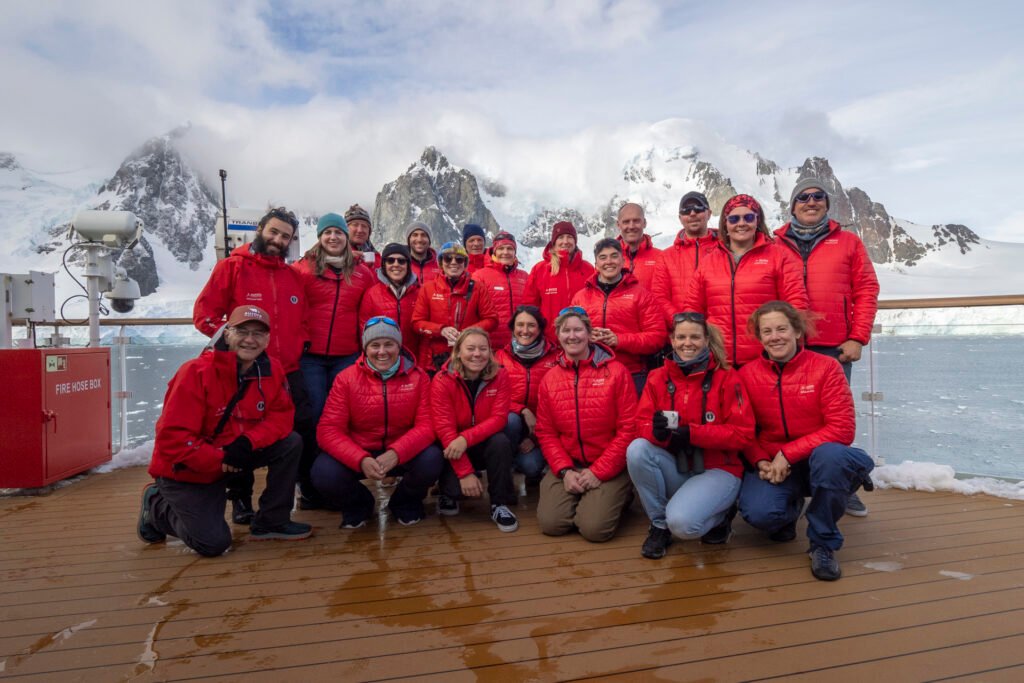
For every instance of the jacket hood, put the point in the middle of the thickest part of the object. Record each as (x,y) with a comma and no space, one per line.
(676,374)
(599,355)
(682,240)
(576,257)
(645,244)
(628,280)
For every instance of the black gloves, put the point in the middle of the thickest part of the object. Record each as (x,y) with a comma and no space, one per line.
(680,438)
(680,435)
(238,453)
(659,425)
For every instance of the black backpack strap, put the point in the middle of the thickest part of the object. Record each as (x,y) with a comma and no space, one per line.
(229,409)
(705,389)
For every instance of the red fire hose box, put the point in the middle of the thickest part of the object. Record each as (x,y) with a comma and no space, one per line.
(54,414)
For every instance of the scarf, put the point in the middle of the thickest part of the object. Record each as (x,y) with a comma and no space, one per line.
(808,233)
(531,351)
(390,372)
(699,363)
(336,262)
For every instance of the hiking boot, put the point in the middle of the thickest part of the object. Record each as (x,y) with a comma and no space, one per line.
(721,533)
(147,532)
(504,518)
(824,564)
(656,544)
(447,506)
(290,531)
(855,506)
(785,534)
(241,511)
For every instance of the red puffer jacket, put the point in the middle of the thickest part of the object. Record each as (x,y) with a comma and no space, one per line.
(264,281)
(477,262)
(798,406)
(197,395)
(552,293)
(586,414)
(644,263)
(476,419)
(426,270)
(505,285)
(729,426)
(333,308)
(441,304)
(841,285)
(728,292)
(525,377)
(677,266)
(632,313)
(365,413)
(380,299)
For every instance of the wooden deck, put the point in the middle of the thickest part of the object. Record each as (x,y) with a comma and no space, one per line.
(933,589)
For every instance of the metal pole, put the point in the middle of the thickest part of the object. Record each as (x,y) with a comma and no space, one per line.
(92,283)
(224,209)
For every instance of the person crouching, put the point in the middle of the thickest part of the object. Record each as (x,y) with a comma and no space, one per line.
(226,412)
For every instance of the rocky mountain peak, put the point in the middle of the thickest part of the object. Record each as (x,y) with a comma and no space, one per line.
(8,162)
(434,192)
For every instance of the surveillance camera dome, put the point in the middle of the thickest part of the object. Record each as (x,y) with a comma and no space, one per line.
(122,305)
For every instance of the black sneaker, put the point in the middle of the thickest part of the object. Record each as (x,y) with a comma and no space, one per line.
(449,507)
(785,534)
(855,507)
(147,532)
(290,531)
(504,518)
(721,533)
(241,511)
(656,544)
(406,516)
(824,564)
(354,521)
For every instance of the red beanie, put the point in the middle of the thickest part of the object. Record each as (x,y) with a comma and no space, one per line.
(562,228)
(742,200)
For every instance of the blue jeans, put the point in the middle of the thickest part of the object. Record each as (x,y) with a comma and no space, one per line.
(319,373)
(531,463)
(342,488)
(689,505)
(829,476)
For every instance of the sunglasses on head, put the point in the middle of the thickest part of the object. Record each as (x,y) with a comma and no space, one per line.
(807,196)
(690,210)
(577,310)
(452,258)
(746,218)
(380,319)
(688,317)
(396,260)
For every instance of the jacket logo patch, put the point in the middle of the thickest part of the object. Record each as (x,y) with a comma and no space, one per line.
(832,241)
(254,296)
(437,296)
(628,297)
(761,262)
(407,387)
(598,382)
(499,289)
(491,392)
(709,417)
(551,290)
(294,299)
(260,406)
(806,388)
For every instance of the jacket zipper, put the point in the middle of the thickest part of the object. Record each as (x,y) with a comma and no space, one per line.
(384,438)
(334,312)
(511,303)
(782,406)
(576,394)
(733,266)
(472,400)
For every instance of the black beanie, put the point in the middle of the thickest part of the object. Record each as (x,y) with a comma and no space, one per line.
(396,248)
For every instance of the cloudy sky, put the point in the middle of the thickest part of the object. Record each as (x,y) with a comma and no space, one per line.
(918,103)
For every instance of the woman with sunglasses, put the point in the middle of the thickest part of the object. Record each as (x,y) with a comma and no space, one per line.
(448,304)
(527,358)
(469,400)
(585,420)
(376,424)
(805,427)
(505,281)
(744,270)
(393,294)
(693,421)
(561,273)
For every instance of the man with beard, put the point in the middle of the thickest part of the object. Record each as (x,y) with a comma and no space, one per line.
(256,274)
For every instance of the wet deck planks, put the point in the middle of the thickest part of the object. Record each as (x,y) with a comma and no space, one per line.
(933,589)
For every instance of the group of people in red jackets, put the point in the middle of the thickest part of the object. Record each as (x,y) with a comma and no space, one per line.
(708,377)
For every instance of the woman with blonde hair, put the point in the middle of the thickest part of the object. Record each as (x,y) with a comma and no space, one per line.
(470,400)
(693,420)
(554,280)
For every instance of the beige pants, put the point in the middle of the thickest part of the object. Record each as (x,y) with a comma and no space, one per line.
(595,513)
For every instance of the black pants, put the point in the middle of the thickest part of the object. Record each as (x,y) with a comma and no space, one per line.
(195,512)
(240,485)
(496,457)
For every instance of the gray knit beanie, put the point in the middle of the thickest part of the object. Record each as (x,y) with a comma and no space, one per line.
(808,184)
(417,225)
(381,330)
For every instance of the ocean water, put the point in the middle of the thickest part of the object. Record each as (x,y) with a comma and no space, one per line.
(953,400)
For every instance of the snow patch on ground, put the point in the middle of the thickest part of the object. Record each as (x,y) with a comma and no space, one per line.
(926,476)
(957,575)
(130,457)
(884,566)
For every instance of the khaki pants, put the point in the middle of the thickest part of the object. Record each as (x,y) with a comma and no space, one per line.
(595,513)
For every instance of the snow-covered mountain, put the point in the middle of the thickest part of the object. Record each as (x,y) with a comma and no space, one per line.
(179,209)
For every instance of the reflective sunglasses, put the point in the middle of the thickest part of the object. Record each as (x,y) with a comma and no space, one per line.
(577,310)
(746,218)
(689,317)
(380,319)
(807,196)
(451,258)
(396,260)
(690,210)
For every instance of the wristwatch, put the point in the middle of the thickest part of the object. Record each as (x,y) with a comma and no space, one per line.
(561,472)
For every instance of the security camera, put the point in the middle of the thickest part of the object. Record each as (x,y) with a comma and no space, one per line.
(115,229)
(124,292)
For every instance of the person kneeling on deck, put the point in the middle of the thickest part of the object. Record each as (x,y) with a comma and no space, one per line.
(694,418)
(376,424)
(227,411)
(805,425)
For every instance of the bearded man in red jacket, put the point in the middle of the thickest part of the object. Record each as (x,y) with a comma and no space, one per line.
(225,414)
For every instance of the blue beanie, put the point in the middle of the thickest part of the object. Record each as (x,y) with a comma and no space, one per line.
(331,220)
(472,230)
